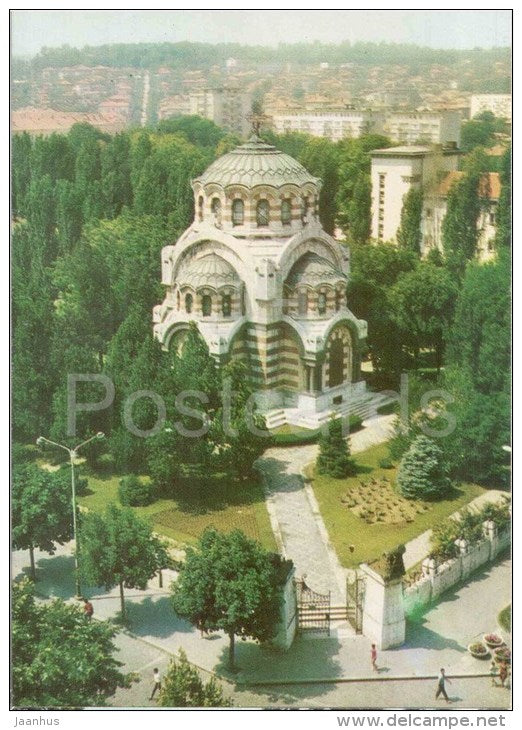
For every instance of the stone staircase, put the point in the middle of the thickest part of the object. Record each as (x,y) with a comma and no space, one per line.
(365,406)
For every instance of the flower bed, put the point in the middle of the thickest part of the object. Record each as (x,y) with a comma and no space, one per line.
(478,650)
(493,640)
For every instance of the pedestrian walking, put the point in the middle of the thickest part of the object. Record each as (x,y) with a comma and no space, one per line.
(373,655)
(441,685)
(503,673)
(157,683)
(88,609)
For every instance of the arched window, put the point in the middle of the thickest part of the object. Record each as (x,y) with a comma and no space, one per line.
(321,303)
(238,212)
(336,363)
(286,212)
(188,303)
(206,305)
(338,299)
(215,207)
(302,302)
(226,305)
(200,208)
(262,213)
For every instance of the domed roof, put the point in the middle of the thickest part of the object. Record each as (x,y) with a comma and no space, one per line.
(256,163)
(210,270)
(313,270)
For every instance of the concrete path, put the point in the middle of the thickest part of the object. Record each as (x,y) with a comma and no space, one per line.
(294,514)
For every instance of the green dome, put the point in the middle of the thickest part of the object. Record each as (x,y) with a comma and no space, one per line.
(210,270)
(313,270)
(256,163)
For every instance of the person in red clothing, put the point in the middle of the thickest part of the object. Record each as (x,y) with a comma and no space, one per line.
(373,655)
(88,609)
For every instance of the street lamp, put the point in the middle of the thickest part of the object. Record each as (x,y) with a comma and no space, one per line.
(41,441)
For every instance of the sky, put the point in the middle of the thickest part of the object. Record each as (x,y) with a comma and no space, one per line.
(32,29)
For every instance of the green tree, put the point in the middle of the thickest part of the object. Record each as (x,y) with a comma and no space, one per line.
(182,686)
(480,131)
(503,235)
(354,187)
(41,215)
(409,233)
(230,583)
(141,149)
(32,321)
(120,549)
(41,510)
(422,303)
(334,452)
(196,130)
(374,270)
(460,224)
(116,175)
(480,343)
(69,215)
(59,659)
(320,158)
(20,171)
(239,432)
(422,473)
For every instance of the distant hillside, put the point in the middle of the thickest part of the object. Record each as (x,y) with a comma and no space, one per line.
(187,55)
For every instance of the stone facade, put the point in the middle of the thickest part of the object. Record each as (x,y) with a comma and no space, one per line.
(264,282)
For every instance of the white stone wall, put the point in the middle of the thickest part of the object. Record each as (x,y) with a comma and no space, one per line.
(439,579)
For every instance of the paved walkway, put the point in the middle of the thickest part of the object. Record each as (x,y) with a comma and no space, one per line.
(294,514)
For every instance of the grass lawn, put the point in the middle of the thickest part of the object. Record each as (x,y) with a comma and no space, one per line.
(371,540)
(216,502)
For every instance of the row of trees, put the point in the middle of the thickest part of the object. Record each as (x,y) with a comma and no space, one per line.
(205,55)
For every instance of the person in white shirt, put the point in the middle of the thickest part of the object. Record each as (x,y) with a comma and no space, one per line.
(157,683)
(441,685)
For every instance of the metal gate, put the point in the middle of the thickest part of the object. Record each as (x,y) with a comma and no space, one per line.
(355,588)
(313,609)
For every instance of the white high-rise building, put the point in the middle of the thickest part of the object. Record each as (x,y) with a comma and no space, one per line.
(499,104)
(332,124)
(423,127)
(394,171)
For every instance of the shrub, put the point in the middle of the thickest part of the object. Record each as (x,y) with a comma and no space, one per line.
(422,472)
(334,453)
(386,463)
(498,512)
(443,540)
(133,492)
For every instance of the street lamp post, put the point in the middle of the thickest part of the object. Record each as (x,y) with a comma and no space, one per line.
(40,441)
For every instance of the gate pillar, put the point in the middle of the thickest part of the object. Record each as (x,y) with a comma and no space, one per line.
(384,621)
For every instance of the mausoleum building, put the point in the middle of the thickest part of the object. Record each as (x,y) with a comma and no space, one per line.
(266,284)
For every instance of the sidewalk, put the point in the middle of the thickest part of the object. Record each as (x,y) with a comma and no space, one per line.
(438,638)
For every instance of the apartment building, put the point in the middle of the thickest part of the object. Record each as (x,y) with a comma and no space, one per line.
(394,171)
(332,124)
(228,107)
(423,127)
(499,104)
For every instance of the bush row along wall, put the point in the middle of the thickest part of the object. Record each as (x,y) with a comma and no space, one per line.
(437,579)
